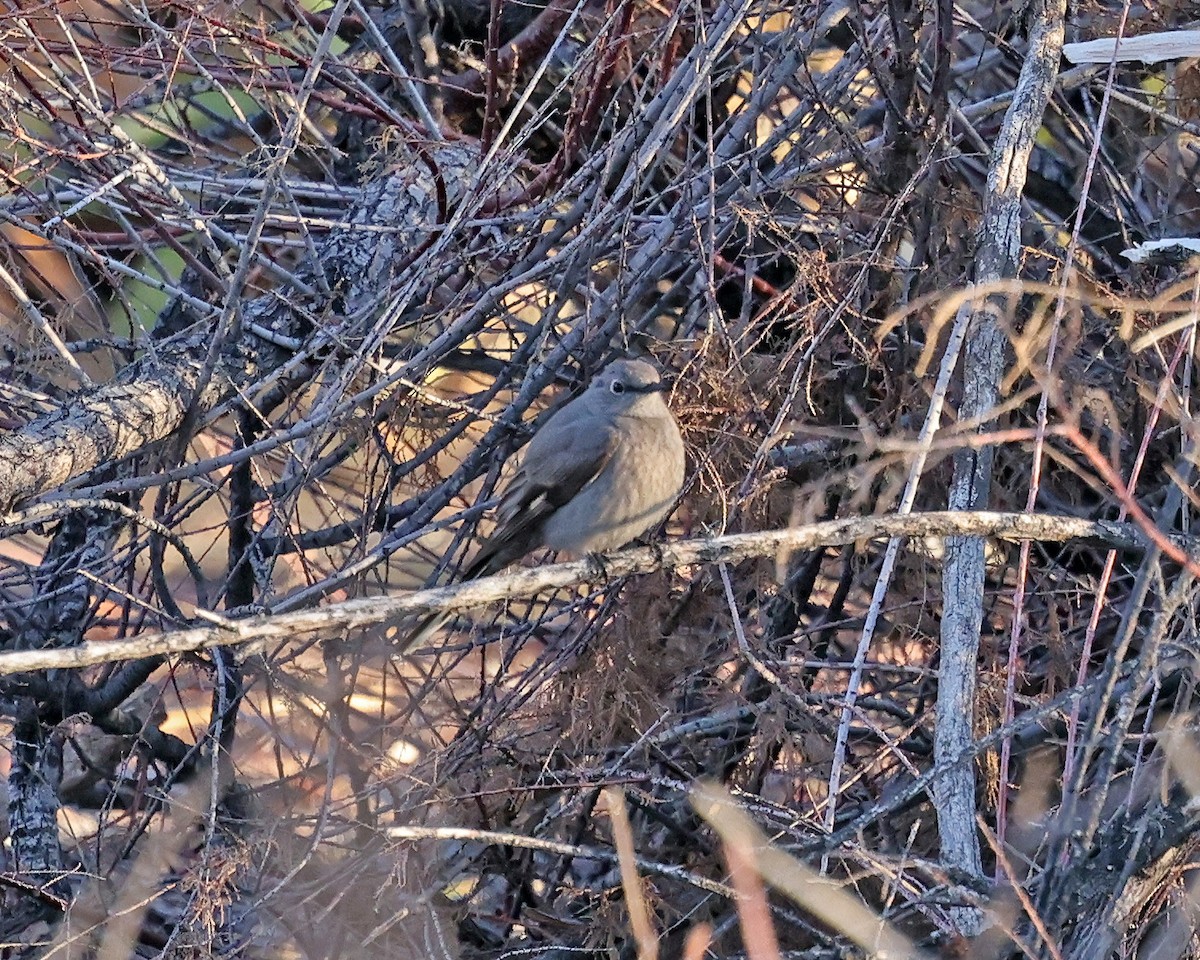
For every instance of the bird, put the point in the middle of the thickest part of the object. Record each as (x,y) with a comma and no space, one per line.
(600,472)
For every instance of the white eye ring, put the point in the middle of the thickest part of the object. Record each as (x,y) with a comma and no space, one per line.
(617,387)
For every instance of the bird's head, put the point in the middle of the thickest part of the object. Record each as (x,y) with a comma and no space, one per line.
(628,388)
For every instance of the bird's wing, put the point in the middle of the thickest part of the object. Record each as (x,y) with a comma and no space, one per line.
(560,461)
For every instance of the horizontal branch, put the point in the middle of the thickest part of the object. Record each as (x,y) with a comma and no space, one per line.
(358,614)
(413,832)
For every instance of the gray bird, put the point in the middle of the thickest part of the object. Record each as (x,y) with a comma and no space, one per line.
(600,472)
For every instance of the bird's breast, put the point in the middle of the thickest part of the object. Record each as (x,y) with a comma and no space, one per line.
(634,491)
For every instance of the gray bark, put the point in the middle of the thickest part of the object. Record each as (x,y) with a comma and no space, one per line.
(983,367)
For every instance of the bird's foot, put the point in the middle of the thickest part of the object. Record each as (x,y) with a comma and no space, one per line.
(597,569)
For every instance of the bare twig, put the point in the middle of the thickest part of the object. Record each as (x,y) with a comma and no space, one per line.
(356,614)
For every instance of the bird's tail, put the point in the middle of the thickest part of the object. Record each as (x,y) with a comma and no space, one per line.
(513,541)
(426,628)
(492,557)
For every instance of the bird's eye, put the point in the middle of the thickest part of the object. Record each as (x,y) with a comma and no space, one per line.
(617,387)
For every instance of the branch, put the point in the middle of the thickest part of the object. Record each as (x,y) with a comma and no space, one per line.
(603,855)
(983,368)
(147,403)
(357,614)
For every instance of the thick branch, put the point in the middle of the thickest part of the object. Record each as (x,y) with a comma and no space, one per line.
(390,218)
(983,366)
